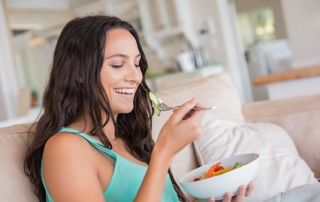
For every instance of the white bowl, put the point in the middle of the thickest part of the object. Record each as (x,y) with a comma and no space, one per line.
(217,186)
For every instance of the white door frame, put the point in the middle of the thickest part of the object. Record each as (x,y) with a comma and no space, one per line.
(8,78)
(236,65)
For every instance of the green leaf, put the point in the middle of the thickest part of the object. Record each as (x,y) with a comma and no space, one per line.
(155,103)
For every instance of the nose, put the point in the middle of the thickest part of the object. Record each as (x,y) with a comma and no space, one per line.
(134,74)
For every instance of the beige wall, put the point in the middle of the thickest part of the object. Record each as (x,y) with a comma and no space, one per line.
(303,26)
(275,5)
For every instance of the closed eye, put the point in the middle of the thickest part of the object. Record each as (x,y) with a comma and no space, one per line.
(117,66)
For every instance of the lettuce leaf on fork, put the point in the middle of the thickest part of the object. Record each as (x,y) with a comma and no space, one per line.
(155,103)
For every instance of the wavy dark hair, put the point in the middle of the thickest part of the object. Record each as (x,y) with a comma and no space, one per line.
(75,88)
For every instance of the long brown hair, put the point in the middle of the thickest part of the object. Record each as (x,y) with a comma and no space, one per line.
(79,54)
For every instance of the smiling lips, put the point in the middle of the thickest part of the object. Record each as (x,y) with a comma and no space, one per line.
(124,91)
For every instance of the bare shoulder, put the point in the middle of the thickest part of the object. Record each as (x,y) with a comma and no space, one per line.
(69,143)
(63,147)
(69,170)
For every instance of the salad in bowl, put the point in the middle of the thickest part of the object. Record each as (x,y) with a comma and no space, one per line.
(216,178)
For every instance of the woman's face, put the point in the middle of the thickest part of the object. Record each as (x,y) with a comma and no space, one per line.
(120,72)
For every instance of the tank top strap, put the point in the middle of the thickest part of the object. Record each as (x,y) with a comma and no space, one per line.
(95,143)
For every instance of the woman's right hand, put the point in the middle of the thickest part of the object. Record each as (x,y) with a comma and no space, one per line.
(183,127)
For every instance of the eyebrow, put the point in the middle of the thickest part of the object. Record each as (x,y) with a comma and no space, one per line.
(121,55)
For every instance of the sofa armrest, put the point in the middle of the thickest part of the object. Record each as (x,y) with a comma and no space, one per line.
(300,116)
(261,110)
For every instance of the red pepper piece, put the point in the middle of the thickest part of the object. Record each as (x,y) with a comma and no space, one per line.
(213,169)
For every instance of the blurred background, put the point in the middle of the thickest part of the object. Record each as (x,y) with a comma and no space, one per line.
(270,48)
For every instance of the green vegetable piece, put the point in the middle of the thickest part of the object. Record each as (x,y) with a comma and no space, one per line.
(237,165)
(155,103)
(157,111)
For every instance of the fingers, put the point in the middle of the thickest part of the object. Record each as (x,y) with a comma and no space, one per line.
(189,114)
(211,199)
(241,193)
(196,115)
(227,197)
(182,111)
(250,188)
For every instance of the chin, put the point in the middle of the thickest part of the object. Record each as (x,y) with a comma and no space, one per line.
(125,110)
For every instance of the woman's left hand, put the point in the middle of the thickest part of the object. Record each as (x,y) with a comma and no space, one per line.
(243,192)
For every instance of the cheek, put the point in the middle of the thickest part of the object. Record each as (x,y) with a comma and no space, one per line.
(106,82)
(107,90)
(109,77)
(140,76)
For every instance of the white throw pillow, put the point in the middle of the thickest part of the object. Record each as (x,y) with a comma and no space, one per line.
(280,166)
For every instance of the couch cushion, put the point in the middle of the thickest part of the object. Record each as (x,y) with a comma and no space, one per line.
(280,166)
(216,90)
(14,185)
(300,116)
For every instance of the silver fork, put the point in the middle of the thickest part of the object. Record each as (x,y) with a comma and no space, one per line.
(165,107)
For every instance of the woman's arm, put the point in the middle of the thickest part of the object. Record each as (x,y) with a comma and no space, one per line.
(69,170)
(182,128)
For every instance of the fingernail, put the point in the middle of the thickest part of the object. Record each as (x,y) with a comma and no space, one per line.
(211,199)
(193,100)
(242,188)
(227,196)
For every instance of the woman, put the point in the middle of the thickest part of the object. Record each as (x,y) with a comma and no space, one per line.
(93,141)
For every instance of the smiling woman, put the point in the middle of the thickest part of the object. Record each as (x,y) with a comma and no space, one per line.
(120,72)
(93,141)
(96,121)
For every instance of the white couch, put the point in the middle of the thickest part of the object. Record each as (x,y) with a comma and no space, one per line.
(299,116)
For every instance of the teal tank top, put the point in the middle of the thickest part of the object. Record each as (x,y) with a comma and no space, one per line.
(126,179)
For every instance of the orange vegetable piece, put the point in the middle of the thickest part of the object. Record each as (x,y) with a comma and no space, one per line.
(223,171)
(213,169)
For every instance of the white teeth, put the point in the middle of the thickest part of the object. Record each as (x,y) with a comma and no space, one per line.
(127,91)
